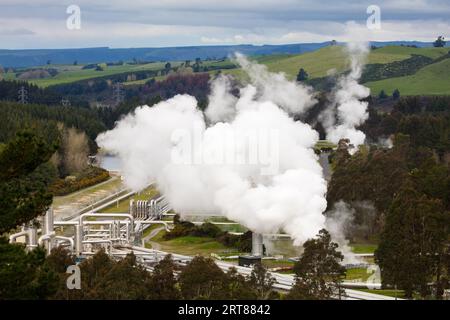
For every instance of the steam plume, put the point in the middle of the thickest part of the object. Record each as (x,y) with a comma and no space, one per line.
(291,198)
(346,111)
(338,220)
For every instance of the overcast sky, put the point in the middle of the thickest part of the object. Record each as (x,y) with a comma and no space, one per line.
(160,23)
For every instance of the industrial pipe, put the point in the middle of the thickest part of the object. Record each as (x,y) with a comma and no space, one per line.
(67,239)
(13,237)
(166,225)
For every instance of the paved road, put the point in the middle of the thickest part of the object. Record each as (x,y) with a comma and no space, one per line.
(152,234)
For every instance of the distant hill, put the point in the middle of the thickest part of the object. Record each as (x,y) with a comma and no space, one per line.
(414,71)
(39,57)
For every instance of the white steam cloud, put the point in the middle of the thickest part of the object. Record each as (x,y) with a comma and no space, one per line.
(284,191)
(221,102)
(338,220)
(288,95)
(291,199)
(346,111)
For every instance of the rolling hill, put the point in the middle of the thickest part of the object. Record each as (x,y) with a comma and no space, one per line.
(413,70)
(433,79)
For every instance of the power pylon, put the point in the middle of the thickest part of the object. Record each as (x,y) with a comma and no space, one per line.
(22,95)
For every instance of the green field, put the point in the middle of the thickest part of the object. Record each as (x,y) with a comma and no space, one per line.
(319,63)
(363,248)
(110,186)
(387,292)
(406,52)
(433,79)
(190,245)
(357,274)
(123,205)
(70,73)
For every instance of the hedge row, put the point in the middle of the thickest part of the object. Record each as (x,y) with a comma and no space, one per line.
(90,177)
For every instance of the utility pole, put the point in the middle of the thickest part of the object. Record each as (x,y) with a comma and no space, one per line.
(118,93)
(22,95)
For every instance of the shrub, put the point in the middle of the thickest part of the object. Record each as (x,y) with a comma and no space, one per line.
(89,177)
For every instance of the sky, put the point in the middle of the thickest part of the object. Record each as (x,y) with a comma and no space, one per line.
(26,24)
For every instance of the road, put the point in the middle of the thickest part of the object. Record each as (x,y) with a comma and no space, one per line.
(282,281)
(152,234)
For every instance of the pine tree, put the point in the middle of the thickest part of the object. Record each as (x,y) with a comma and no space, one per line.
(413,241)
(302,75)
(23,186)
(202,279)
(318,272)
(396,94)
(261,282)
(163,285)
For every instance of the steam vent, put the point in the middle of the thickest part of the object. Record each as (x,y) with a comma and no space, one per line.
(257,251)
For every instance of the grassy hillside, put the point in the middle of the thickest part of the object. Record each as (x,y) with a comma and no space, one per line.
(316,63)
(319,62)
(406,52)
(75,73)
(430,80)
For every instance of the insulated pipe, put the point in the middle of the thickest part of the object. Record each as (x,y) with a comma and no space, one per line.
(67,239)
(32,237)
(101,222)
(66,223)
(166,225)
(100,241)
(47,237)
(76,245)
(106,215)
(48,221)
(257,244)
(78,239)
(110,215)
(13,237)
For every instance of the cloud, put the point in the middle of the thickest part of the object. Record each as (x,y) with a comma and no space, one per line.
(196,22)
(15,32)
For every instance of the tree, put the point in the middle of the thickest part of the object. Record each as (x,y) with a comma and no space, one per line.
(23,182)
(318,273)
(163,284)
(396,94)
(125,280)
(237,286)
(202,279)
(57,262)
(261,282)
(74,151)
(413,244)
(440,42)
(101,67)
(23,274)
(302,75)
(382,95)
